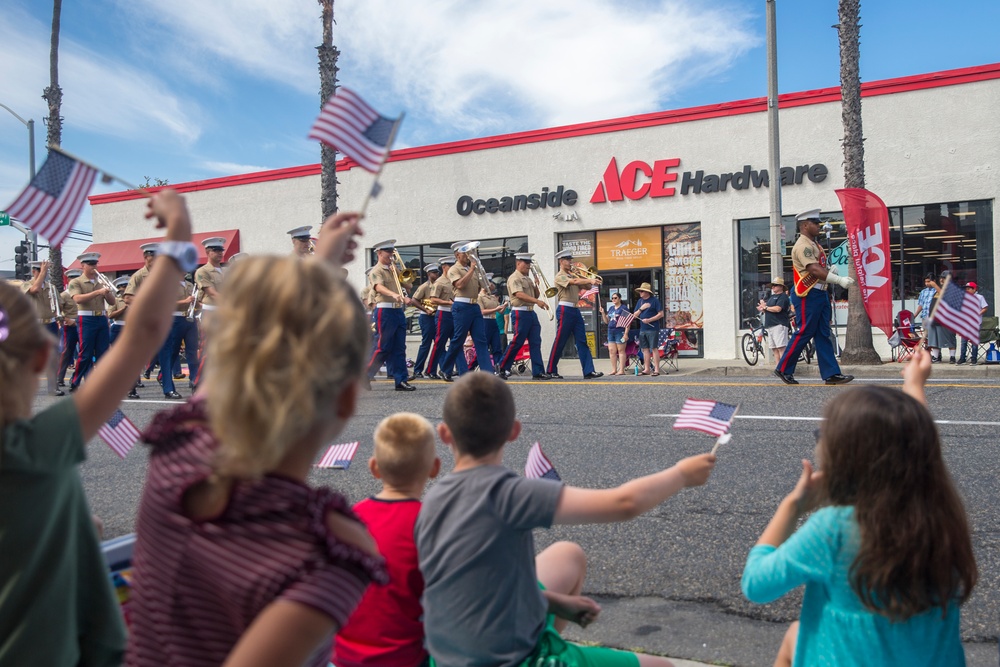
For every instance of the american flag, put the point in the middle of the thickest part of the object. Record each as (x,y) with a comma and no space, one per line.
(352,127)
(51,203)
(120,434)
(339,456)
(591,292)
(539,466)
(959,312)
(624,320)
(707,416)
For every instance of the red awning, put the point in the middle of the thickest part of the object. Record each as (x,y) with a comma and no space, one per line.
(126,256)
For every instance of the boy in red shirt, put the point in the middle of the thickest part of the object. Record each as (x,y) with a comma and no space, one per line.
(386,629)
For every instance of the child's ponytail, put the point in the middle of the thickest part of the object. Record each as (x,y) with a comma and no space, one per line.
(21,334)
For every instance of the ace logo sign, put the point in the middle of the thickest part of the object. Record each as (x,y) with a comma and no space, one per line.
(867,220)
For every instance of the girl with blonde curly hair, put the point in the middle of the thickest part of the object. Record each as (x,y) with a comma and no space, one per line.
(238,560)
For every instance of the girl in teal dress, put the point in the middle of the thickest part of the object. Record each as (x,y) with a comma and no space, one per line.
(888,561)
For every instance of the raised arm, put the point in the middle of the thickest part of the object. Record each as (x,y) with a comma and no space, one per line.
(148,324)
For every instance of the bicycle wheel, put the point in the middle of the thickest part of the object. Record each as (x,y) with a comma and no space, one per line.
(750,350)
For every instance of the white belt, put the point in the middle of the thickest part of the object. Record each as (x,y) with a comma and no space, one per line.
(90,313)
(446,309)
(567,303)
(207,306)
(116,323)
(387,305)
(180,314)
(528,308)
(462,299)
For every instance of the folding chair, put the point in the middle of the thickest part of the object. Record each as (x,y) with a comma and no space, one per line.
(906,336)
(989,338)
(668,343)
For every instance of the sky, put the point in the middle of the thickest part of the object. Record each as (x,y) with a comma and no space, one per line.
(194,89)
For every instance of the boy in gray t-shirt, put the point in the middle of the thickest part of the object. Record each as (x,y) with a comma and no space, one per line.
(483,603)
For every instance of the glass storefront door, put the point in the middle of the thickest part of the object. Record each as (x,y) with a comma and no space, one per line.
(624,283)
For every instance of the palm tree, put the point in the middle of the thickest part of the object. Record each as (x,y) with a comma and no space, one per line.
(328,55)
(53,95)
(858,348)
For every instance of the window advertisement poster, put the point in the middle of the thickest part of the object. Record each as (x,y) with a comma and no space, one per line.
(636,248)
(683,301)
(582,245)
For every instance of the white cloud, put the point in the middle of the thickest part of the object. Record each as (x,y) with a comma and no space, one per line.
(228,168)
(99,94)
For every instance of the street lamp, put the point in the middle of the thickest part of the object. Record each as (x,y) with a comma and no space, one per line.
(30,124)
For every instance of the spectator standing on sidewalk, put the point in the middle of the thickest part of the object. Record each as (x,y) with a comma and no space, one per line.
(971,292)
(776,310)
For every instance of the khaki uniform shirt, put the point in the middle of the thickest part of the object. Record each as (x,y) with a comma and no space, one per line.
(69,308)
(135,281)
(81,285)
(183,291)
(41,300)
(806,251)
(423,291)
(119,304)
(208,276)
(471,289)
(381,275)
(518,283)
(442,289)
(567,292)
(487,302)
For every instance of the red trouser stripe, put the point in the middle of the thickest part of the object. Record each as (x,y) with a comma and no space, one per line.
(555,345)
(381,339)
(434,347)
(795,341)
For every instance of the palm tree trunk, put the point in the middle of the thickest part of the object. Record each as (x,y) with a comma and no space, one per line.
(328,55)
(53,95)
(858,348)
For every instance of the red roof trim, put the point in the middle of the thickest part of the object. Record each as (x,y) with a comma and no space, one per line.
(126,255)
(790,100)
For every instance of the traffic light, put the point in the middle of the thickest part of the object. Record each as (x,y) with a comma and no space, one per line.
(22,261)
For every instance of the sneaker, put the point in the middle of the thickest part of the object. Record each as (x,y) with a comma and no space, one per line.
(839,379)
(952,360)
(960,362)
(787,378)
(935,360)
(974,363)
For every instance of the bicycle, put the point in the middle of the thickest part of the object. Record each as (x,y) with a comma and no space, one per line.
(753,342)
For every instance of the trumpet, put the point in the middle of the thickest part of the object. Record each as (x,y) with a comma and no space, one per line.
(105,282)
(54,301)
(403,275)
(586,273)
(428,306)
(194,303)
(550,291)
(477,266)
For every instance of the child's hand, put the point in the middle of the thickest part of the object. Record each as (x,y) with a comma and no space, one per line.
(170,211)
(696,469)
(918,369)
(336,238)
(576,608)
(806,493)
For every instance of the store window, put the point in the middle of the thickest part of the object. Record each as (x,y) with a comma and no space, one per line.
(932,238)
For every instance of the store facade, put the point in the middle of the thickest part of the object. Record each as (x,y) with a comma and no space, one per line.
(678,199)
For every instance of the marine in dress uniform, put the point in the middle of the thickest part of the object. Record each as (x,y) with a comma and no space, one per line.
(91,299)
(390,321)
(524,297)
(46,300)
(489,305)
(182,330)
(301,241)
(149,251)
(70,330)
(812,304)
(116,317)
(209,278)
(443,296)
(568,318)
(425,319)
(467,318)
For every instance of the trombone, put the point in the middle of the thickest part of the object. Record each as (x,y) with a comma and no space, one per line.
(477,266)
(403,275)
(586,273)
(550,291)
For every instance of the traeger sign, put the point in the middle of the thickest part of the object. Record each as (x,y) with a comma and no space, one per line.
(639,180)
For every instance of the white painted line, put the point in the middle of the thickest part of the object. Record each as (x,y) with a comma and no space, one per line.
(949,422)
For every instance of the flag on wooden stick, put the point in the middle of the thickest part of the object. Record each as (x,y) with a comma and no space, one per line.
(351,126)
(958,312)
(709,417)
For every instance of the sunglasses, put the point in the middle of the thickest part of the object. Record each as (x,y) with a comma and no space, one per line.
(89,263)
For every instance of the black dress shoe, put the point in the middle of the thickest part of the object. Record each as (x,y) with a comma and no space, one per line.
(61,383)
(444,376)
(59,392)
(146,375)
(541,376)
(72,388)
(594,375)
(133,394)
(172,395)
(505,375)
(178,376)
(139,384)
(785,377)
(839,379)
(555,376)
(405,386)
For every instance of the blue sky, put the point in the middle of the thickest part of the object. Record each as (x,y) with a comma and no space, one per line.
(193,89)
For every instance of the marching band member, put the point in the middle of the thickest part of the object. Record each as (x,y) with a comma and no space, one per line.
(390,321)
(467,318)
(38,291)
(116,317)
(524,296)
(489,305)
(91,297)
(70,330)
(301,240)
(568,318)
(209,277)
(443,296)
(148,255)
(425,319)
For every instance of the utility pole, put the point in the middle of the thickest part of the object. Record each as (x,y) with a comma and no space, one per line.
(774,157)
(30,124)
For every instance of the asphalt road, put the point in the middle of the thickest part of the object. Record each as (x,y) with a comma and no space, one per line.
(669,581)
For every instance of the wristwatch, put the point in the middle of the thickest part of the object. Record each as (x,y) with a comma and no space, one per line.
(182,252)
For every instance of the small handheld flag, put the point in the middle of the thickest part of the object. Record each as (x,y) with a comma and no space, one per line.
(958,312)
(539,466)
(591,292)
(339,456)
(351,126)
(624,320)
(120,434)
(709,417)
(52,202)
